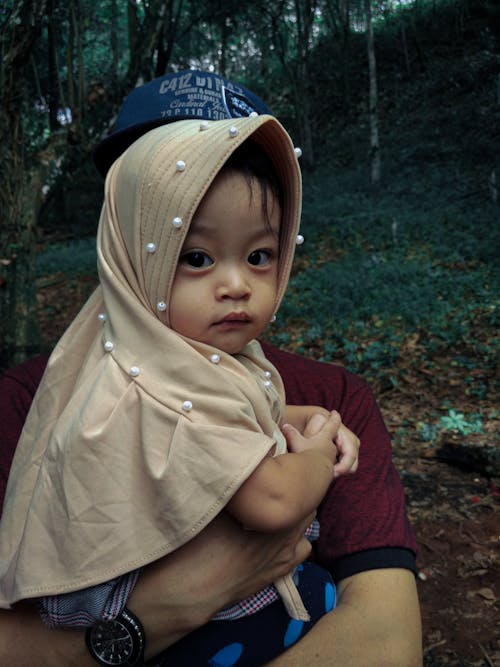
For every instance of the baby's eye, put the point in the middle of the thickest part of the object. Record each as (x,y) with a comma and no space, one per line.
(259,257)
(196,259)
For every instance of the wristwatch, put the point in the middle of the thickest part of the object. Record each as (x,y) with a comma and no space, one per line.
(117,643)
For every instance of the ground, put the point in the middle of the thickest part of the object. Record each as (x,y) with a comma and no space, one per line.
(453,502)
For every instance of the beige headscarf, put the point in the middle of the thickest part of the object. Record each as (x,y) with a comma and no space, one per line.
(137,437)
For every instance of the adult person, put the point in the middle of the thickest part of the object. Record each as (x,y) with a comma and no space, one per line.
(366,541)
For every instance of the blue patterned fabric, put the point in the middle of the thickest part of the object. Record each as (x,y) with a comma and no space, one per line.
(256,639)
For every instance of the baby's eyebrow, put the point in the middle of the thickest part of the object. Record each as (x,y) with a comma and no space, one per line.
(266,232)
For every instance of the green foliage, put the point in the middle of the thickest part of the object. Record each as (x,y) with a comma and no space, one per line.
(417,256)
(456,421)
(380,267)
(453,421)
(73,258)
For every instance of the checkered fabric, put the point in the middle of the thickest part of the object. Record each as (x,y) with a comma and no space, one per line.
(83,608)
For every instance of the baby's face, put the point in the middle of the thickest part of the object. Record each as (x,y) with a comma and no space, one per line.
(226,281)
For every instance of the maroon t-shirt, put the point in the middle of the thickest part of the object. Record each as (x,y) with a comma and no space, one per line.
(363,520)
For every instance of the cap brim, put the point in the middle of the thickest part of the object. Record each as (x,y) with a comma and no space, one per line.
(110,148)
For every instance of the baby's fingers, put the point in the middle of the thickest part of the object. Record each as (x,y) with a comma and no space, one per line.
(315,424)
(347,463)
(348,452)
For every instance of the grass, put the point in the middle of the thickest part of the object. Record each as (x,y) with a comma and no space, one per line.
(417,258)
(76,257)
(366,281)
(410,265)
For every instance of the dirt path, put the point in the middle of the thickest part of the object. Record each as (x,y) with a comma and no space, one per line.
(456,515)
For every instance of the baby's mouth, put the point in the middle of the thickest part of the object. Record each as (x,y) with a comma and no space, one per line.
(234,318)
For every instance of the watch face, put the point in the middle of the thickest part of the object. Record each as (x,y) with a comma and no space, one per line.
(112,643)
(117,643)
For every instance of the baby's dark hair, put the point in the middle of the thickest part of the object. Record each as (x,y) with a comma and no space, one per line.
(254,164)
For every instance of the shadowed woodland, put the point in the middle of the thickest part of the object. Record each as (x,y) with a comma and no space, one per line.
(396,106)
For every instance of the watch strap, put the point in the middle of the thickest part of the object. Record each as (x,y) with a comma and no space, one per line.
(134,622)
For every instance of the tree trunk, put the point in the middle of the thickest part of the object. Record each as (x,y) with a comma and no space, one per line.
(302,111)
(168,36)
(373,99)
(18,207)
(224,36)
(337,16)
(70,63)
(405,49)
(53,98)
(295,62)
(77,27)
(114,44)
(145,40)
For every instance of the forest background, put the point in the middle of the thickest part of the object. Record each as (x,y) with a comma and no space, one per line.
(396,105)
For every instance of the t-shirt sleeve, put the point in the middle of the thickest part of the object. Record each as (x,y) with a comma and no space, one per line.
(363,519)
(17,388)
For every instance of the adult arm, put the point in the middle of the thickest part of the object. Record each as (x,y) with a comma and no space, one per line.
(376,622)
(174,595)
(365,539)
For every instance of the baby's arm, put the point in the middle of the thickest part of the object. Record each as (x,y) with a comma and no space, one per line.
(286,488)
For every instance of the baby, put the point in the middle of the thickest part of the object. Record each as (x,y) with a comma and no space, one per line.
(158,409)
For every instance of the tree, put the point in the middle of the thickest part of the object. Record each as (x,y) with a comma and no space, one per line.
(291,25)
(20,28)
(153,27)
(337,16)
(373,98)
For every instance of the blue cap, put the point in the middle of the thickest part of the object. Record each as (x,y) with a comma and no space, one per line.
(178,96)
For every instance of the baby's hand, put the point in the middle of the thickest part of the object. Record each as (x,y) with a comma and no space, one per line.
(321,435)
(347,444)
(315,423)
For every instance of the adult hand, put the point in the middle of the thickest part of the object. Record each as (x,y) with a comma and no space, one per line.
(173,596)
(221,565)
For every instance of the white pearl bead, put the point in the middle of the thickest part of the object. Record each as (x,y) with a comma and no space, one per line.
(161,305)
(177,222)
(300,239)
(267,384)
(204,125)
(253,114)
(215,358)
(151,248)
(233,131)
(101,317)
(134,371)
(108,346)
(267,374)
(180,165)
(298,151)
(187,406)
(273,318)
